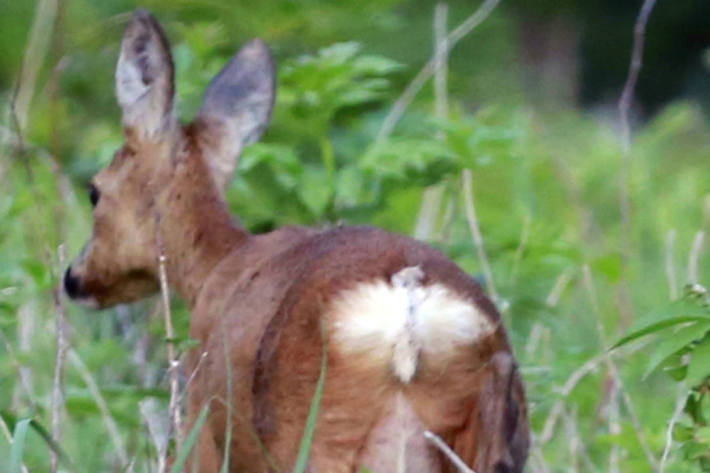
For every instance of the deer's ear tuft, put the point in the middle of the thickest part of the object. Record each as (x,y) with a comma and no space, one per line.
(145,85)
(237,107)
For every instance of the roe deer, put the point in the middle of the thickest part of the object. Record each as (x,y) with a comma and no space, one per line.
(411,341)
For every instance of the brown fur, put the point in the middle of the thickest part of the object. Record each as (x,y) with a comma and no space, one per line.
(262,309)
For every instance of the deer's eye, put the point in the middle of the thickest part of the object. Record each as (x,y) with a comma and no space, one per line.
(94,195)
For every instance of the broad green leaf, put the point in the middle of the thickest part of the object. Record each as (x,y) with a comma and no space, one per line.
(694,450)
(657,327)
(687,309)
(699,366)
(693,407)
(675,342)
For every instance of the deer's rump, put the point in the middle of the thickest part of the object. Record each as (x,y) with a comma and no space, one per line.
(412,344)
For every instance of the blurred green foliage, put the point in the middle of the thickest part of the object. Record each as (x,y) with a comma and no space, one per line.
(546,185)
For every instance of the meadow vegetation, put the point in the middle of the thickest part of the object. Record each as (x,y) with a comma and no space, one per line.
(545,183)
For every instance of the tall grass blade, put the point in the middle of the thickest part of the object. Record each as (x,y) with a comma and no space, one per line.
(18,445)
(310,428)
(190,441)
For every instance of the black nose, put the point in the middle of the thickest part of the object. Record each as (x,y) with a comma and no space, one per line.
(71,284)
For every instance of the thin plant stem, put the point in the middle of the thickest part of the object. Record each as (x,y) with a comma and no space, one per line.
(694,257)
(57,402)
(467,178)
(404,100)
(618,386)
(669,263)
(111,425)
(446,450)
(173,363)
(432,196)
(677,412)
(624,107)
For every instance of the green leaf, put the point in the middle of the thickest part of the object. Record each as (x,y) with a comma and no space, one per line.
(315,190)
(699,366)
(18,445)
(376,65)
(675,342)
(693,407)
(310,428)
(657,327)
(340,52)
(694,450)
(38,271)
(190,441)
(609,265)
(687,309)
(54,446)
(703,435)
(682,433)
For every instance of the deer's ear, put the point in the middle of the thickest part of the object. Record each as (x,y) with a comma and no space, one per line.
(145,85)
(237,108)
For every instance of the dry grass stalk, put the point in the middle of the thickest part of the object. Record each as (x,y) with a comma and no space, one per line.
(576,443)
(694,257)
(573,441)
(537,456)
(625,101)
(174,364)
(404,100)
(624,106)
(677,412)
(520,250)
(558,288)
(57,402)
(467,178)
(35,53)
(111,425)
(618,386)
(431,199)
(614,427)
(670,266)
(627,95)
(573,380)
(192,377)
(158,429)
(534,339)
(24,387)
(446,450)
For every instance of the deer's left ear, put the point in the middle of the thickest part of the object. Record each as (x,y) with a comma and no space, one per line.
(145,84)
(237,108)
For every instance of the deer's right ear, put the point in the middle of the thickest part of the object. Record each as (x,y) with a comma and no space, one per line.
(145,85)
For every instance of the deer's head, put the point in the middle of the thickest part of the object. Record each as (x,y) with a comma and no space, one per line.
(119,262)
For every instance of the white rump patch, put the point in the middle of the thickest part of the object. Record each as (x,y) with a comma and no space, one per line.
(394,321)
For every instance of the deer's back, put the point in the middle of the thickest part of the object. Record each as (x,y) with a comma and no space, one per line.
(388,308)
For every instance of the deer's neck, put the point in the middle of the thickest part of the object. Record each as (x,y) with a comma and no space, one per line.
(195,227)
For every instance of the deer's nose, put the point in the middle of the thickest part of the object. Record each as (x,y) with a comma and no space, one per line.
(71,284)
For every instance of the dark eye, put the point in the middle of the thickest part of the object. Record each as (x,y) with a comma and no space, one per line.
(94,195)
